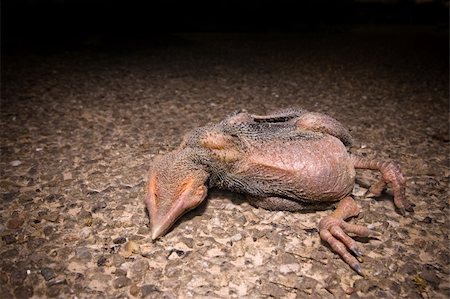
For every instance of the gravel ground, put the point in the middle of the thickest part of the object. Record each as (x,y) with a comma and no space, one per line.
(80,128)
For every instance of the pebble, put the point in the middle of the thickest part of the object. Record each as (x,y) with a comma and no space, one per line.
(48,230)
(364,285)
(121,282)
(56,282)
(53,291)
(349,290)
(48,273)
(18,275)
(148,289)
(52,216)
(215,252)
(15,223)
(9,239)
(99,282)
(9,254)
(23,292)
(83,254)
(10,196)
(128,249)
(134,290)
(273,290)
(102,260)
(236,238)
(15,163)
(3,278)
(430,276)
(119,240)
(85,232)
(288,268)
(98,206)
(146,249)
(138,268)
(54,197)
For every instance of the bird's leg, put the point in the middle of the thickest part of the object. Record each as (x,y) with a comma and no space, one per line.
(376,189)
(333,229)
(391,174)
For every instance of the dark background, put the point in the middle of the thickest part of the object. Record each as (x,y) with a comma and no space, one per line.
(69,23)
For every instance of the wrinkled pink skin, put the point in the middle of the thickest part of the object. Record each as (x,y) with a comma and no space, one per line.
(291,160)
(317,170)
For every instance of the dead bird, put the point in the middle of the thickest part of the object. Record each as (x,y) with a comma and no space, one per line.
(291,160)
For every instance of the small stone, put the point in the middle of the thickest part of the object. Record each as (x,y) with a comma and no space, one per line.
(18,275)
(395,287)
(173,256)
(3,278)
(408,268)
(48,230)
(15,223)
(128,249)
(121,282)
(53,291)
(52,216)
(85,232)
(10,196)
(242,219)
(67,176)
(427,220)
(134,290)
(9,254)
(349,290)
(364,285)
(146,249)
(15,163)
(119,240)
(143,230)
(138,268)
(54,197)
(84,214)
(98,206)
(99,282)
(23,292)
(215,252)
(9,239)
(236,238)
(149,289)
(102,260)
(48,273)
(430,276)
(83,253)
(56,282)
(120,272)
(272,290)
(288,268)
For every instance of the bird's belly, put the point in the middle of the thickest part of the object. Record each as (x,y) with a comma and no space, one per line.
(317,170)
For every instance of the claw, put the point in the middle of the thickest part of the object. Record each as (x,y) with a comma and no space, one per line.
(358,269)
(369,194)
(374,234)
(356,251)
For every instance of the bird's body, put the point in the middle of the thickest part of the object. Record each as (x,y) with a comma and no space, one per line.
(290,160)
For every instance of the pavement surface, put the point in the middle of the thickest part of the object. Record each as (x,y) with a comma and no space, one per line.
(80,126)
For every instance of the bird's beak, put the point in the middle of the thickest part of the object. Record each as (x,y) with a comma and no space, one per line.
(162,223)
(164,213)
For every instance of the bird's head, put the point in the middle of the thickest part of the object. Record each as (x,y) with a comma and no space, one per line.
(176,184)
